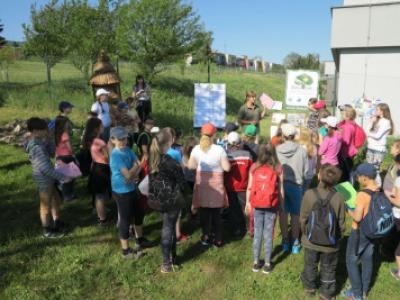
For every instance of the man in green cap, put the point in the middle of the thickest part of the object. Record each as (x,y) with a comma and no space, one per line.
(249,139)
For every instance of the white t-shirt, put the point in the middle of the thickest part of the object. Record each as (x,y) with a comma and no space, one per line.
(209,161)
(103,112)
(396,210)
(377,139)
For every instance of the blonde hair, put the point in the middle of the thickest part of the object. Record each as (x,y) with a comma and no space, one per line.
(350,113)
(308,139)
(160,142)
(396,144)
(205,142)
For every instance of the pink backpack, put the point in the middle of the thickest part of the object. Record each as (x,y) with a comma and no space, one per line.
(360,136)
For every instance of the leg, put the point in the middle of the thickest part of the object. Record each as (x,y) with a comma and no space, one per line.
(178,227)
(216,224)
(352,259)
(100,207)
(294,223)
(205,221)
(310,272)
(55,204)
(45,203)
(367,262)
(258,231)
(168,237)
(329,263)
(125,211)
(283,223)
(268,232)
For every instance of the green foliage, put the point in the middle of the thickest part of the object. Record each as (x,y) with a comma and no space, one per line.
(2,39)
(154,33)
(296,61)
(6,58)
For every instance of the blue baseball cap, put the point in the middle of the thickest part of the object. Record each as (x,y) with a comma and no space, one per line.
(63,105)
(122,105)
(118,133)
(367,170)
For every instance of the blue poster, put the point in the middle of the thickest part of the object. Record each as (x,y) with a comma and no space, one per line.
(209,104)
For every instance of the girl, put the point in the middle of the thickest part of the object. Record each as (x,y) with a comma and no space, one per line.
(278,138)
(332,143)
(64,153)
(210,196)
(265,210)
(382,126)
(190,175)
(100,174)
(124,169)
(101,108)
(322,130)
(309,140)
(141,91)
(163,168)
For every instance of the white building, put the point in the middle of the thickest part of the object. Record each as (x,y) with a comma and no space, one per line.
(365,45)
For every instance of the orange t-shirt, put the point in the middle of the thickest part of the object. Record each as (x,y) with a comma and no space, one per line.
(275,141)
(362,203)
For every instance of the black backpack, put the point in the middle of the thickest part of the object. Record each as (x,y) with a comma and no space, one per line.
(321,225)
(164,195)
(84,159)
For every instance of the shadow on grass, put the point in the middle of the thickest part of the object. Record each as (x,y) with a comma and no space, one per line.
(14,165)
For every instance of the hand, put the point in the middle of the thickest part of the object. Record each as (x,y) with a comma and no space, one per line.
(247,209)
(68,179)
(193,209)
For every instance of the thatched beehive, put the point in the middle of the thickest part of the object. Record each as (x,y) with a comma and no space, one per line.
(105,76)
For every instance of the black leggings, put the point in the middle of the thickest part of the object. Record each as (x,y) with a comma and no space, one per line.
(168,235)
(143,109)
(127,204)
(210,219)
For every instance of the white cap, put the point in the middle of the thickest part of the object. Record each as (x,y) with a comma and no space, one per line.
(155,130)
(288,130)
(331,121)
(233,138)
(100,92)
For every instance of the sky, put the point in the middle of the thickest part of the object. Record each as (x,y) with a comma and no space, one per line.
(267,28)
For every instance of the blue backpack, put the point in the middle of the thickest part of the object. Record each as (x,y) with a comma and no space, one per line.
(379,220)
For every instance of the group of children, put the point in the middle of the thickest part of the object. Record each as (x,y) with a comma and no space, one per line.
(250,184)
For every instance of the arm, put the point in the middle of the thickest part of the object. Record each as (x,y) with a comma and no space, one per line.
(358,213)
(341,216)
(324,147)
(192,164)
(43,163)
(131,173)
(226,166)
(382,130)
(248,191)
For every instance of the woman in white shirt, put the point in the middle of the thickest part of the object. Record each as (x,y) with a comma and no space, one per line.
(101,108)
(209,193)
(382,126)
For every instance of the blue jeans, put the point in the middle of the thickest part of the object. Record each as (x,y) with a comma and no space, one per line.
(359,248)
(264,221)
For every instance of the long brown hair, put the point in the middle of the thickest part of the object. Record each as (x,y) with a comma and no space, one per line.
(92,131)
(190,143)
(158,145)
(386,114)
(267,156)
(250,94)
(59,128)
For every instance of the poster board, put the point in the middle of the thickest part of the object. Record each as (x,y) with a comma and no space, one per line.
(277,118)
(209,104)
(301,85)
(297,119)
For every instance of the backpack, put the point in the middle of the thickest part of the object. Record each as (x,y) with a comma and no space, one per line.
(135,146)
(85,160)
(264,189)
(379,220)
(164,195)
(359,137)
(321,224)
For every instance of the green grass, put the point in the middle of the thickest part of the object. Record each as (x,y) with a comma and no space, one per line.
(87,263)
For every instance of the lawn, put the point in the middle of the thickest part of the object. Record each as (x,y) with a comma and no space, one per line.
(87,263)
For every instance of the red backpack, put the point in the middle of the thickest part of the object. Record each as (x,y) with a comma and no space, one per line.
(360,136)
(264,188)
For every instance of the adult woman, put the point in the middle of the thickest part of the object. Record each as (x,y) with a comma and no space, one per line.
(101,108)
(141,91)
(210,196)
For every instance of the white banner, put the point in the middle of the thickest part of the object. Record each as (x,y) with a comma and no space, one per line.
(209,104)
(301,85)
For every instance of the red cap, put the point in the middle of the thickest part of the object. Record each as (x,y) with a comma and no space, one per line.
(320,105)
(208,129)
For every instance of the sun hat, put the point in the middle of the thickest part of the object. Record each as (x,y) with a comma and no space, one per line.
(288,130)
(208,129)
(331,121)
(320,105)
(233,138)
(101,91)
(250,130)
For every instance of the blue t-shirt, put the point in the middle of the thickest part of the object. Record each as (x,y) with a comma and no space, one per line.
(175,155)
(120,159)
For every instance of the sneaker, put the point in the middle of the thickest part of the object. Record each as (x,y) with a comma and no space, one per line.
(395,273)
(267,269)
(104,223)
(296,248)
(218,244)
(132,253)
(205,241)
(348,294)
(257,267)
(166,268)
(285,246)
(59,225)
(51,234)
(183,238)
(310,293)
(145,243)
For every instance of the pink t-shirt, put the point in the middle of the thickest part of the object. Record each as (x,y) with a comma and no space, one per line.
(97,149)
(330,149)
(64,147)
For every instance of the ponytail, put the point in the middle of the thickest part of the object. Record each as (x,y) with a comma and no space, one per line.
(205,142)
(159,145)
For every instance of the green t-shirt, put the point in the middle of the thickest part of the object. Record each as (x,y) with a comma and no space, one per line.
(249,114)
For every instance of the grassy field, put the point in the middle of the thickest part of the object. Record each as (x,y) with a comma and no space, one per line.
(87,263)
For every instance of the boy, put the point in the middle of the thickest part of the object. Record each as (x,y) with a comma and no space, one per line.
(294,161)
(314,106)
(359,247)
(45,177)
(236,183)
(144,140)
(250,135)
(229,127)
(65,109)
(128,122)
(326,256)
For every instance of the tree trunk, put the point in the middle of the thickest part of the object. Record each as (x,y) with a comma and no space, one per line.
(49,87)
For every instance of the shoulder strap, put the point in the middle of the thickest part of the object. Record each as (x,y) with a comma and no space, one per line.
(328,197)
(368,191)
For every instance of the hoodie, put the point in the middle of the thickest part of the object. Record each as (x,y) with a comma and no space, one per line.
(294,161)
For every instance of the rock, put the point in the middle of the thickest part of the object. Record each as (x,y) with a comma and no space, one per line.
(17,129)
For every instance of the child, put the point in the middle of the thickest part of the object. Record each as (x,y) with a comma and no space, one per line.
(65,109)
(101,108)
(332,143)
(327,255)
(45,177)
(236,183)
(132,113)
(100,174)
(294,161)
(190,175)
(229,127)
(124,169)
(64,153)
(312,121)
(393,170)
(125,120)
(278,138)
(309,141)
(144,140)
(176,145)
(249,141)
(142,92)
(164,169)
(359,247)
(263,196)
(382,126)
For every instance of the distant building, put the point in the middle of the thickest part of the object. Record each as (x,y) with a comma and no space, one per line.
(365,45)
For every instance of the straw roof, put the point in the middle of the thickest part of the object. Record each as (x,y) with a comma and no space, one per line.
(104,72)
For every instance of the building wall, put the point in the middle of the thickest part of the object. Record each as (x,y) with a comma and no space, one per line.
(363,2)
(373,73)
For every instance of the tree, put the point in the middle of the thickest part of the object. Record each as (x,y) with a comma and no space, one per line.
(90,29)
(6,58)
(46,37)
(153,33)
(296,61)
(2,39)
